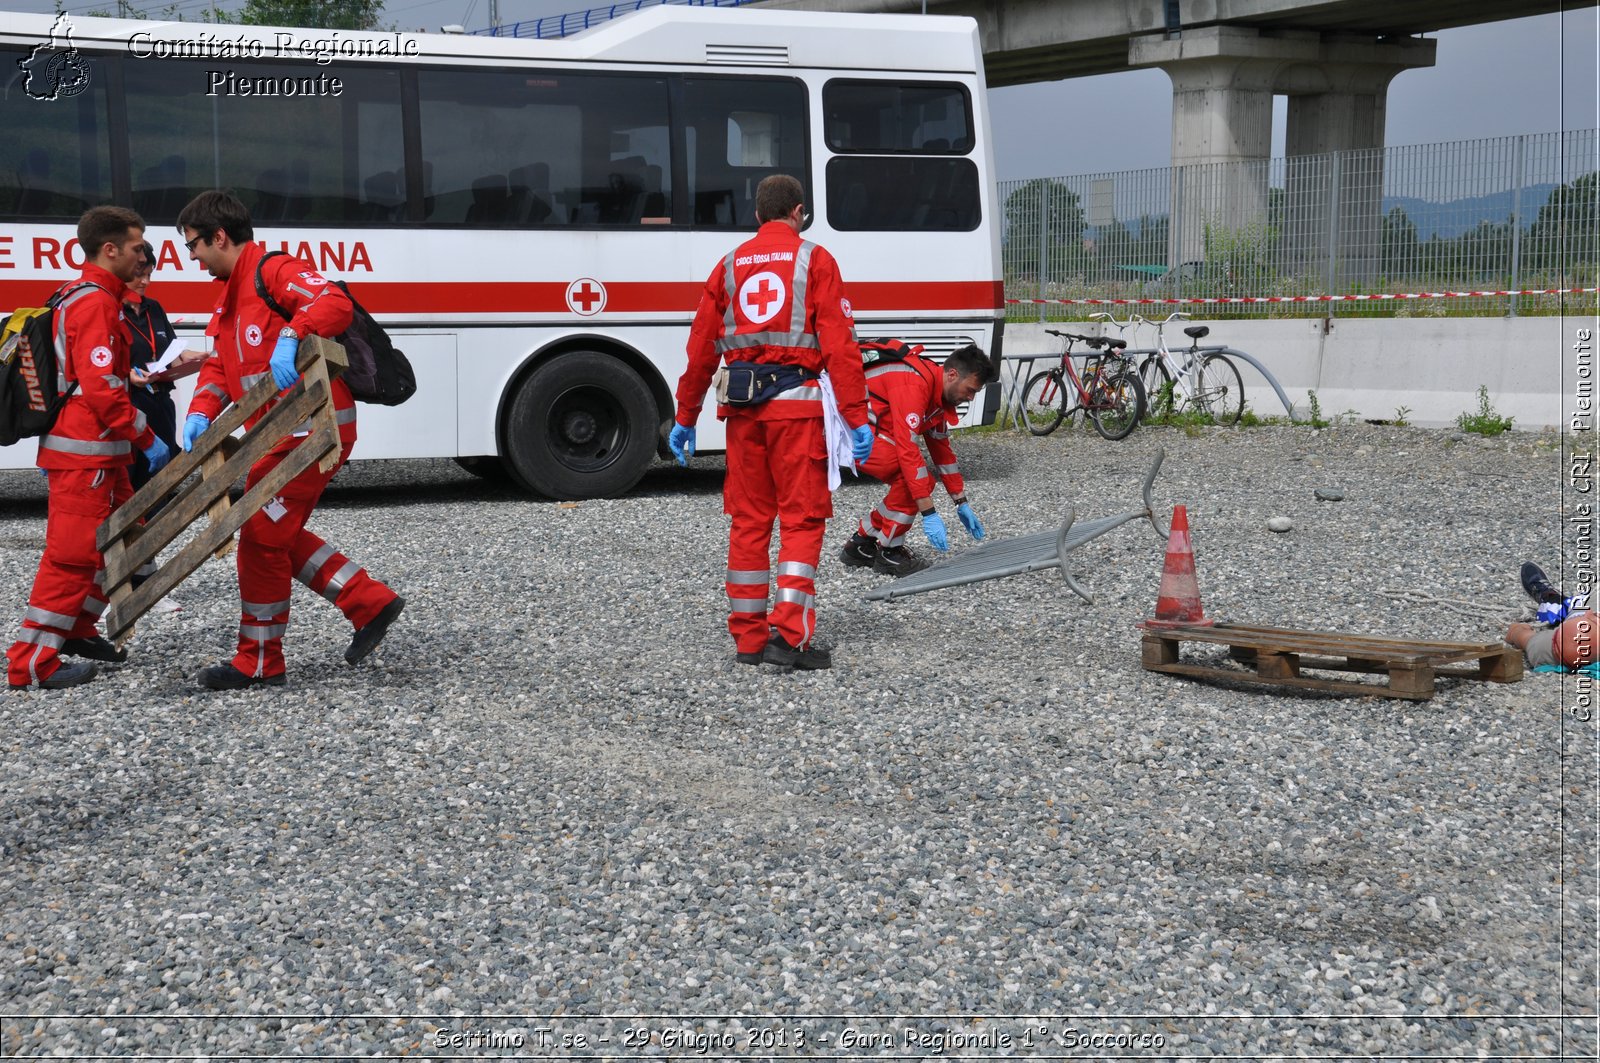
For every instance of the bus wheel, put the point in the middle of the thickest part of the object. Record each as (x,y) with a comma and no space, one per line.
(581,426)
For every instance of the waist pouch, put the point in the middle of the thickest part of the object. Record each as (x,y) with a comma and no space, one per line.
(752,383)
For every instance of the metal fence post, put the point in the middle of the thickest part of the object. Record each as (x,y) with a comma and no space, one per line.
(1518,177)
(1333,225)
(1175,235)
(1044,236)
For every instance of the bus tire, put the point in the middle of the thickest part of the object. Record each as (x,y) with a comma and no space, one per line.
(582,425)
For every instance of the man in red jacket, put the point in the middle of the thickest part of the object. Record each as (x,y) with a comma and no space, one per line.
(914,396)
(252,342)
(85,456)
(775,307)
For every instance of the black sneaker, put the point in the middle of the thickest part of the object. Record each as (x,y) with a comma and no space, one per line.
(366,640)
(1537,585)
(750,658)
(897,561)
(860,552)
(810,659)
(69,674)
(96,648)
(225,676)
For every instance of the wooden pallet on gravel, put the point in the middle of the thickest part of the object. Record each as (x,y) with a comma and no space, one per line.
(1278,656)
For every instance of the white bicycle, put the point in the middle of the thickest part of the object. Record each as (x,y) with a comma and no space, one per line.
(1186,379)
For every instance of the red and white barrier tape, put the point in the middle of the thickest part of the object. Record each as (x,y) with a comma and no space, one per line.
(1251,299)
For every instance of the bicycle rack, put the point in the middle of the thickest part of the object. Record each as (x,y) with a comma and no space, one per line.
(1027,553)
(1232,352)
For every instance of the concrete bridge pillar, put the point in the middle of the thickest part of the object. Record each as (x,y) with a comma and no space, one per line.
(1223,82)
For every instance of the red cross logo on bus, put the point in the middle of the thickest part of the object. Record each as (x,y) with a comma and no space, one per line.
(586,296)
(761,295)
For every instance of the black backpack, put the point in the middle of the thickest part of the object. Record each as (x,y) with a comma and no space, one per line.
(30,394)
(379,372)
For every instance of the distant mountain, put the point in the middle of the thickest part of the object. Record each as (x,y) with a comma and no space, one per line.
(1457,216)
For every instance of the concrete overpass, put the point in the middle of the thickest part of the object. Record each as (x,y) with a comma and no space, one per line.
(1333,59)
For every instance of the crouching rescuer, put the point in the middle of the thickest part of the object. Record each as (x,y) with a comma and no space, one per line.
(774,308)
(913,396)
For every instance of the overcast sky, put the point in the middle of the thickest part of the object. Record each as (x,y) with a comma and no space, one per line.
(1528,75)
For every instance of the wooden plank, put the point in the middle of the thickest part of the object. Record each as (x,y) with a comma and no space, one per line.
(120,618)
(212,468)
(1331,643)
(173,519)
(1277,665)
(1339,686)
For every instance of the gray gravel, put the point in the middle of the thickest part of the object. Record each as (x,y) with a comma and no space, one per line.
(552,792)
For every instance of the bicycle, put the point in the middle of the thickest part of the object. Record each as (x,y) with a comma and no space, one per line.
(1108,391)
(1174,381)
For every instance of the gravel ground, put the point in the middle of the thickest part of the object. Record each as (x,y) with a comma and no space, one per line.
(552,801)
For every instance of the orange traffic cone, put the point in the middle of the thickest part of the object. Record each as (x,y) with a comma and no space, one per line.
(1178,601)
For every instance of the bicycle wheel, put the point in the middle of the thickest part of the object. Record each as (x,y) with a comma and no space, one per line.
(1042,402)
(1117,399)
(1158,389)
(1219,390)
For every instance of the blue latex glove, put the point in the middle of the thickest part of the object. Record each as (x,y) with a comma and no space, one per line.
(193,426)
(284,374)
(933,528)
(861,443)
(681,442)
(970,521)
(157,454)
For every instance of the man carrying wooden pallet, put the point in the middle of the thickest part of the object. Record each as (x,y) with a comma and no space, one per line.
(252,341)
(85,454)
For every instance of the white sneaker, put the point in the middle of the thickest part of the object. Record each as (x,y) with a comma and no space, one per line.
(166,605)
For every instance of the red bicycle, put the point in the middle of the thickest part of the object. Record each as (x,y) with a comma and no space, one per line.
(1108,390)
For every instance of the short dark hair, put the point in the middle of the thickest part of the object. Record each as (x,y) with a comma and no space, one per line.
(777,195)
(149,254)
(105,225)
(217,210)
(971,361)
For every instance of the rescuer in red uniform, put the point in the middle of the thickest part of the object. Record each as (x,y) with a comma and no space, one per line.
(85,456)
(252,341)
(774,308)
(910,397)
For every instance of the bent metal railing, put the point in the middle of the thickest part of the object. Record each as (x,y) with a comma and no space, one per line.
(1027,553)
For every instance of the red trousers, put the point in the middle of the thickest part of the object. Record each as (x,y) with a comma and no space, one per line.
(893,517)
(274,550)
(777,470)
(67,597)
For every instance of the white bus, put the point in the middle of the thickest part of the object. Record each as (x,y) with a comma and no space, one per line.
(531,220)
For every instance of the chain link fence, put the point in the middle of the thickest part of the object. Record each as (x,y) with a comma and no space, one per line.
(1504,214)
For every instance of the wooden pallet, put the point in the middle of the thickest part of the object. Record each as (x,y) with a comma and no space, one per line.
(1277,656)
(149,521)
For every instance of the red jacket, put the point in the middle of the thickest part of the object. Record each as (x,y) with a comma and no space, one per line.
(907,400)
(244,330)
(98,427)
(765,324)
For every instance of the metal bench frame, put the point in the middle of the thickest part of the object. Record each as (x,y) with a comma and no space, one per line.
(1028,553)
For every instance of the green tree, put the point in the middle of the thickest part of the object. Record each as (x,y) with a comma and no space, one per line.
(1565,235)
(1402,253)
(313,14)
(1063,224)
